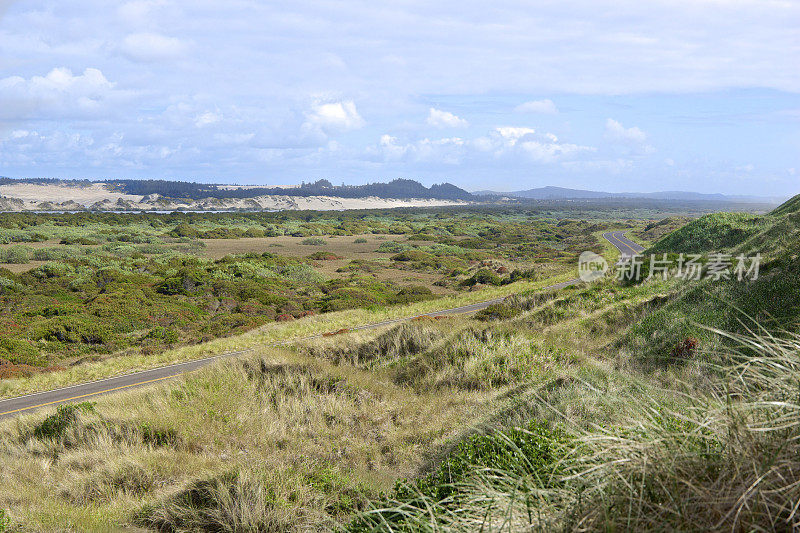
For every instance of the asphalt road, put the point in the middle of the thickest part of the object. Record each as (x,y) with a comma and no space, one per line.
(28,403)
(625,246)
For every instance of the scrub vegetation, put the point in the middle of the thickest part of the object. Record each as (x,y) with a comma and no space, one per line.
(668,404)
(86,286)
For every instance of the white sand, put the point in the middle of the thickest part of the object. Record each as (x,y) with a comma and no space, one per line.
(60,197)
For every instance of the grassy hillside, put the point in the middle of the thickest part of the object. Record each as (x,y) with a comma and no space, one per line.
(770,234)
(771,301)
(713,232)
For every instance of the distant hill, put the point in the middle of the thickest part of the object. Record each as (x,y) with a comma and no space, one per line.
(399,188)
(562,193)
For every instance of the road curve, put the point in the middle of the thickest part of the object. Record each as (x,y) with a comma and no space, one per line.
(626,247)
(31,402)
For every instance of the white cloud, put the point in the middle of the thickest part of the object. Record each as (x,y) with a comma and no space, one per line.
(629,140)
(61,80)
(59,93)
(511,135)
(616,132)
(148,47)
(508,143)
(445,119)
(207,118)
(546,107)
(335,116)
(515,140)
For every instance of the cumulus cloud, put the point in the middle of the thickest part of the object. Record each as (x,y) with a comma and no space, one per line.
(619,133)
(150,47)
(336,116)
(445,119)
(507,143)
(449,150)
(545,107)
(138,11)
(511,135)
(633,140)
(526,142)
(59,93)
(60,81)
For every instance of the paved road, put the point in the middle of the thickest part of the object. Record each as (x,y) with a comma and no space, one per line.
(625,246)
(28,403)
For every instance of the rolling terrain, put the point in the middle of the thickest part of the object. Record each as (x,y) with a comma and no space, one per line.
(15,406)
(607,406)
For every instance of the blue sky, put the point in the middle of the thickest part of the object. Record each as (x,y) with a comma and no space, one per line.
(644,95)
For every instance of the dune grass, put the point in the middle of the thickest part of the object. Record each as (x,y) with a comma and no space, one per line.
(724,459)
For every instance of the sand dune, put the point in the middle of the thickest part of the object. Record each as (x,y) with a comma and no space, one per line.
(98,197)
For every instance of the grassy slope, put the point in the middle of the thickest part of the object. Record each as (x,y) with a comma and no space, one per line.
(731,305)
(718,452)
(714,232)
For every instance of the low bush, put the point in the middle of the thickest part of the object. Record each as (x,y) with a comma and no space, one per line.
(55,426)
(533,452)
(483,276)
(497,312)
(15,255)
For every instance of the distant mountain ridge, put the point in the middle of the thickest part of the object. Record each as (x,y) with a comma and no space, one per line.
(563,193)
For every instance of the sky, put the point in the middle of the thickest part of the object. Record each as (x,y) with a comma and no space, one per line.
(623,95)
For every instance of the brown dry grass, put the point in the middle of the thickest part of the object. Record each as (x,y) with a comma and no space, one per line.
(273,441)
(291,246)
(343,246)
(18,268)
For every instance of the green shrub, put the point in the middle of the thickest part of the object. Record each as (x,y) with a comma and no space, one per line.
(414,293)
(55,426)
(223,233)
(393,247)
(5,521)
(254,233)
(20,352)
(412,255)
(485,276)
(53,254)
(517,275)
(313,241)
(360,240)
(532,452)
(72,330)
(167,335)
(184,230)
(78,240)
(497,312)
(15,254)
